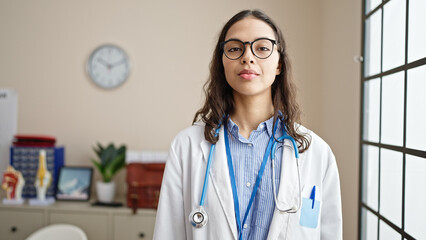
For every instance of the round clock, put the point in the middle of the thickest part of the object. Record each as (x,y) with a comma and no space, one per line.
(108,66)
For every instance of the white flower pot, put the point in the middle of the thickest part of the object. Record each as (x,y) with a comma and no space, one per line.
(105,191)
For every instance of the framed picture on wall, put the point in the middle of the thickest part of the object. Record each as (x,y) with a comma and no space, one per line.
(74,183)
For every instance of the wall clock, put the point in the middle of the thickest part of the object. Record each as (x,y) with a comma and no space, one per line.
(108,66)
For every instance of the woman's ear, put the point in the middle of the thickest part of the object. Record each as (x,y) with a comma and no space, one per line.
(278,71)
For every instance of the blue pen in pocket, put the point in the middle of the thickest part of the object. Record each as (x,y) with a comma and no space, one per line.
(310,210)
(313,197)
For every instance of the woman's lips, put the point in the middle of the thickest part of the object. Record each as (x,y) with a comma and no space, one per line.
(248,74)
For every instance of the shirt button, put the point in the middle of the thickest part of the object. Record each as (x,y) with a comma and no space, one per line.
(248,184)
(245,225)
(250,145)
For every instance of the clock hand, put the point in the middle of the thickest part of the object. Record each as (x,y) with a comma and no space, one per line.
(105,63)
(118,63)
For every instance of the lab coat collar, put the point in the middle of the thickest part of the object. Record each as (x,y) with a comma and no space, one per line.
(220,180)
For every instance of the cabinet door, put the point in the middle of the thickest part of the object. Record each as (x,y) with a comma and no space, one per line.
(15,225)
(94,224)
(134,227)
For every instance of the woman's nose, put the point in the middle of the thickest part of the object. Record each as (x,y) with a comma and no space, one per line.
(248,56)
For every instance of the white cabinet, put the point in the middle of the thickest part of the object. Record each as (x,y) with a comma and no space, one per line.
(18,223)
(131,227)
(99,223)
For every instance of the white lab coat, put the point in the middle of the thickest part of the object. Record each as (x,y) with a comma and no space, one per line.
(183,182)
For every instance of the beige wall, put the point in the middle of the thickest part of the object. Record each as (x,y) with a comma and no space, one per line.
(45,45)
(340,105)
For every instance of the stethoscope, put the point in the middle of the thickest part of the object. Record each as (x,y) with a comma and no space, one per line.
(198,217)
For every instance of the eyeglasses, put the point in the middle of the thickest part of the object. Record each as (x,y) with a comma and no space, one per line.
(261,48)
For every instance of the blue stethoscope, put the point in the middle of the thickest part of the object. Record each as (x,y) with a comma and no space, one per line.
(198,217)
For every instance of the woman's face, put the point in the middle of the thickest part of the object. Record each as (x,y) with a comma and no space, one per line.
(257,81)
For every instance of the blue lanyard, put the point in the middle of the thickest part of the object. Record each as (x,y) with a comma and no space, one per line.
(256,185)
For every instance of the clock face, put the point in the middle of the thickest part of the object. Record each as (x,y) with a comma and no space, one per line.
(108,66)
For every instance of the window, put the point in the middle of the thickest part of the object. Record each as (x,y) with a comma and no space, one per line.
(393,132)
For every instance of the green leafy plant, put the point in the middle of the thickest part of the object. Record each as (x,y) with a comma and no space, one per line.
(111,160)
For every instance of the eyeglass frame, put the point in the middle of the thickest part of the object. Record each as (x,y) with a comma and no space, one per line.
(222,45)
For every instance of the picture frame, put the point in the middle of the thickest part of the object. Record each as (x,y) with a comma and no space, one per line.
(74,183)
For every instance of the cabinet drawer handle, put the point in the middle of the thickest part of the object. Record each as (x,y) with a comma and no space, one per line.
(141,235)
(13,229)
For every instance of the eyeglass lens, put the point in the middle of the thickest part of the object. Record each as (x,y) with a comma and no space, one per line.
(261,48)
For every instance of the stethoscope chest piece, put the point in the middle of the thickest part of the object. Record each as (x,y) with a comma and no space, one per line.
(198,218)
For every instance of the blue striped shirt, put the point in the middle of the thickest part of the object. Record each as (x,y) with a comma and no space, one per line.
(247,156)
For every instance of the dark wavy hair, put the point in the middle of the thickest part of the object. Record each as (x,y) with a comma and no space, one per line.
(219,100)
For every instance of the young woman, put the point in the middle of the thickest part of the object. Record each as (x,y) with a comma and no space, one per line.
(246,169)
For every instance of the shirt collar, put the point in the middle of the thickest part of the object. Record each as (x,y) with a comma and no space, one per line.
(232,128)
(268,124)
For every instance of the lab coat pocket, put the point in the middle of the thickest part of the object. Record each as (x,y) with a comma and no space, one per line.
(309,213)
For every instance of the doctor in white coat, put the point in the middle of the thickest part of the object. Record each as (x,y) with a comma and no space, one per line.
(249,87)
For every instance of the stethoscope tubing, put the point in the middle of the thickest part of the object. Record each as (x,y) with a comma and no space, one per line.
(293,209)
(209,163)
(206,176)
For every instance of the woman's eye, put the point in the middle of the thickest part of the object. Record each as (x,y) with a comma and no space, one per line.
(263,49)
(234,49)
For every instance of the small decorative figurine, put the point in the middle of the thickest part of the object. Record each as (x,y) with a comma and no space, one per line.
(43,178)
(42,182)
(13,182)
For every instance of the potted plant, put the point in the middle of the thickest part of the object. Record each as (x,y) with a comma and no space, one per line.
(111,160)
